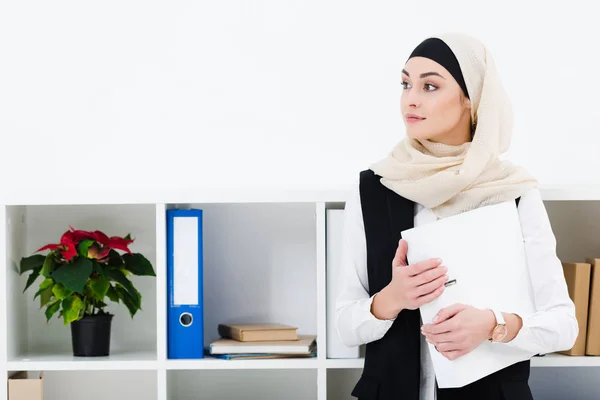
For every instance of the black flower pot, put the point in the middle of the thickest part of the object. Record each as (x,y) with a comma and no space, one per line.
(90,336)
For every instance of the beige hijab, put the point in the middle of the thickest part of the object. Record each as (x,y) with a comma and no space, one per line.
(453,179)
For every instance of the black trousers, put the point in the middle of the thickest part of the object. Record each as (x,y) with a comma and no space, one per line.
(511,383)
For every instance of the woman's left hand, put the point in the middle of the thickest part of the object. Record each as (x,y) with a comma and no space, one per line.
(459,329)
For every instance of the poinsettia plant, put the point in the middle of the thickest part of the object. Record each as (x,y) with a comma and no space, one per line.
(84,269)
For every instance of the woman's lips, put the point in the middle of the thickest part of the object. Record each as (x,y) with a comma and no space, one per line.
(413,118)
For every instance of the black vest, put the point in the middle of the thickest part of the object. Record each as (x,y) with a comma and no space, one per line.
(392,363)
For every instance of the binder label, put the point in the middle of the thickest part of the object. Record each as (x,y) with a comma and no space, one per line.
(185,261)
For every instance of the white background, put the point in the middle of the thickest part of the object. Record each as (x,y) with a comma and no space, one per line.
(116,96)
(146,94)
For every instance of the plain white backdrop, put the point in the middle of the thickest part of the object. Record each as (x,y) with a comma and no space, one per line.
(145,94)
(123,96)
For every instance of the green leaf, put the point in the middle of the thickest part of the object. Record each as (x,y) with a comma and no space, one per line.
(112,294)
(99,286)
(132,303)
(61,292)
(45,285)
(84,245)
(52,309)
(32,262)
(114,258)
(118,276)
(137,264)
(99,268)
(48,265)
(32,277)
(100,305)
(45,291)
(72,306)
(74,276)
(45,297)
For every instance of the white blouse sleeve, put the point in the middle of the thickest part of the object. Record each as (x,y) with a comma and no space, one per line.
(355,323)
(553,327)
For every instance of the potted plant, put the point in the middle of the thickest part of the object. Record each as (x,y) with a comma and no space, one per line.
(79,274)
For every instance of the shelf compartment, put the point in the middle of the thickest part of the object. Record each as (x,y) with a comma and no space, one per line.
(97,385)
(341,382)
(247,384)
(259,265)
(30,227)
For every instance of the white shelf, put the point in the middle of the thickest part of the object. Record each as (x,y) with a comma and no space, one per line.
(549,360)
(215,364)
(264,259)
(147,361)
(560,360)
(66,362)
(337,192)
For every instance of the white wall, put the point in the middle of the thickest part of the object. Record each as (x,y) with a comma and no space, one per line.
(171,94)
(247,93)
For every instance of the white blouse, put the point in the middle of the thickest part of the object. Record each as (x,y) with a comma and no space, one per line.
(552,328)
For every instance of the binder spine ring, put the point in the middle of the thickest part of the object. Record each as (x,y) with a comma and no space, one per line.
(186,319)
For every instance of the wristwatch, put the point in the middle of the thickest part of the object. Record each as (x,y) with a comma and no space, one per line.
(500,331)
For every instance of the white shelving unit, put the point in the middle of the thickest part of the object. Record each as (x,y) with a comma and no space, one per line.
(264,260)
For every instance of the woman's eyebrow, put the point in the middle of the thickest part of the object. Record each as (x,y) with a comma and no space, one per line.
(424,75)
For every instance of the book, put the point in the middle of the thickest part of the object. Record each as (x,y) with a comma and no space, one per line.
(305,344)
(578,279)
(261,356)
(257,332)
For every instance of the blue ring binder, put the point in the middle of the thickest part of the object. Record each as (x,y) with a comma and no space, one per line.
(185,314)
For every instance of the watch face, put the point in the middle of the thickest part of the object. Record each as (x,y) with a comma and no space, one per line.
(499,333)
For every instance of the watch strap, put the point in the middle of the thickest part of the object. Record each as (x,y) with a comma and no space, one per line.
(499,317)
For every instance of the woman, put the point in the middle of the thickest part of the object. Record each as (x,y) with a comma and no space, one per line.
(458,121)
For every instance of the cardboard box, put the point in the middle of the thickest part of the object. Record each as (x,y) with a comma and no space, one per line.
(23,387)
(592,347)
(577,276)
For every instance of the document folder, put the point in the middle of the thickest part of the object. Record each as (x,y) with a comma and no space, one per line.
(484,251)
(185,317)
(334,270)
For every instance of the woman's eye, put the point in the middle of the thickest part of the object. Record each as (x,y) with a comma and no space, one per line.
(405,85)
(429,87)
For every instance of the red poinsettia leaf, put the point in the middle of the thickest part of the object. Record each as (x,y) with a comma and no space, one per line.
(100,237)
(68,237)
(70,252)
(48,247)
(119,243)
(79,235)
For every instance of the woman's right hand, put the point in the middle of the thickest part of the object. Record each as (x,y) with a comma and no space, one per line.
(411,285)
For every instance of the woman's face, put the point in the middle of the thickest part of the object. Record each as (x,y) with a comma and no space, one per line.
(432,103)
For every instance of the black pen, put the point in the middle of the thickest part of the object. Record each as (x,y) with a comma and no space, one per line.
(450,283)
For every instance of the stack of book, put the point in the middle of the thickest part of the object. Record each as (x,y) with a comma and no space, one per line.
(261,340)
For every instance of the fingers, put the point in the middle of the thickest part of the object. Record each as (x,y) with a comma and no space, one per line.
(431,286)
(448,347)
(400,256)
(442,327)
(428,298)
(453,354)
(443,337)
(436,275)
(420,267)
(448,312)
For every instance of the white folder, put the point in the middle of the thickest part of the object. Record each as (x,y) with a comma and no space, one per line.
(485,252)
(334,249)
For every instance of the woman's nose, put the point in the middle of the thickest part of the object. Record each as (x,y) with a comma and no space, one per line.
(411,98)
